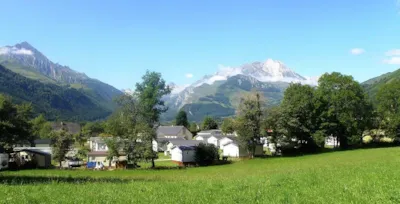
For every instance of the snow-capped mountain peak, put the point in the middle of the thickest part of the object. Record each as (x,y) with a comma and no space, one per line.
(268,71)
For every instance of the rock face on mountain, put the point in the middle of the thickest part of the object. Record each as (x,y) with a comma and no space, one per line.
(29,62)
(218,95)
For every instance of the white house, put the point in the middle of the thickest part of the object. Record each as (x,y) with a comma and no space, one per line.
(214,140)
(226,140)
(173,143)
(183,155)
(214,137)
(232,149)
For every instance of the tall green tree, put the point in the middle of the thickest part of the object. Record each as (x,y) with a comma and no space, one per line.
(62,142)
(149,94)
(249,121)
(92,129)
(342,108)
(181,119)
(272,125)
(227,126)
(209,123)
(15,127)
(193,128)
(114,148)
(298,114)
(41,128)
(388,98)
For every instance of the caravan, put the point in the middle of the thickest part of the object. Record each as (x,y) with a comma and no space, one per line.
(4,161)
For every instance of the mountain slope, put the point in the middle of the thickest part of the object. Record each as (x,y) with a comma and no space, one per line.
(372,86)
(218,95)
(54,101)
(221,98)
(26,60)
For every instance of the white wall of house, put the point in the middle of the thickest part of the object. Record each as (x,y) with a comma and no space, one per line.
(199,137)
(182,155)
(224,141)
(176,155)
(233,150)
(213,140)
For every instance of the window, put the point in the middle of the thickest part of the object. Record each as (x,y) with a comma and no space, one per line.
(101,147)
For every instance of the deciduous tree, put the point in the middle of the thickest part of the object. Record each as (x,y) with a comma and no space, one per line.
(227,126)
(209,123)
(388,98)
(248,122)
(62,141)
(342,108)
(181,119)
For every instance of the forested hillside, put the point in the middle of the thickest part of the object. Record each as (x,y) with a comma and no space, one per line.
(54,101)
(372,86)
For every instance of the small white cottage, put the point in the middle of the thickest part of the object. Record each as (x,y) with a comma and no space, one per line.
(226,140)
(233,149)
(183,155)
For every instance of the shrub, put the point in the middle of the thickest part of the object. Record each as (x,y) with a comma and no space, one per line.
(367,139)
(386,140)
(206,154)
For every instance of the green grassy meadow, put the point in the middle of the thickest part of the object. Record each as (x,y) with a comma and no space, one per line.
(357,176)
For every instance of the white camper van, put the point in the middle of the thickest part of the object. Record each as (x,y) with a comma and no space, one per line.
(3,161)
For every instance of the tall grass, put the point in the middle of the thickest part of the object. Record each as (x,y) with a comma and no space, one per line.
(358,176)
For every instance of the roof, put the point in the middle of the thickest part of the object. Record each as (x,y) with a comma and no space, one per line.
(72,128)
(102,153)
(34,151)
(169,139)
(96,139)
(233,138)
(186,142)
(209,133)
(182,147)
(42,141)
(169,130)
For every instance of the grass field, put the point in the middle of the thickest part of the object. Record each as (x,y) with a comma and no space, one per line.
(358,176)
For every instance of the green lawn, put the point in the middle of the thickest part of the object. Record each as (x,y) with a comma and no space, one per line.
(359,176)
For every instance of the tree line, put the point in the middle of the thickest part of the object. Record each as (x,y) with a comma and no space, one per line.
(338,107)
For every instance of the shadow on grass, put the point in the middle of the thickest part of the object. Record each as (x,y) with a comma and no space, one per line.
(26,180)
(329,151)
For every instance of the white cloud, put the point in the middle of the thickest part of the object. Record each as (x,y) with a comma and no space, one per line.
(189,75)
(395,52)
(392,60)
(14,50)
(357,51)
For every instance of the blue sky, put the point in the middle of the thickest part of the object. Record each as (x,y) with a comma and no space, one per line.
(116,41)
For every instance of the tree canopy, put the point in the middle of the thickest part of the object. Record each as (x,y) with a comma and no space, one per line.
(248,122)
(209,123)
(181,119)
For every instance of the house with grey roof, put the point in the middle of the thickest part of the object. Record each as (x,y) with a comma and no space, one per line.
(174,132)
(213,137)
(174,143)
